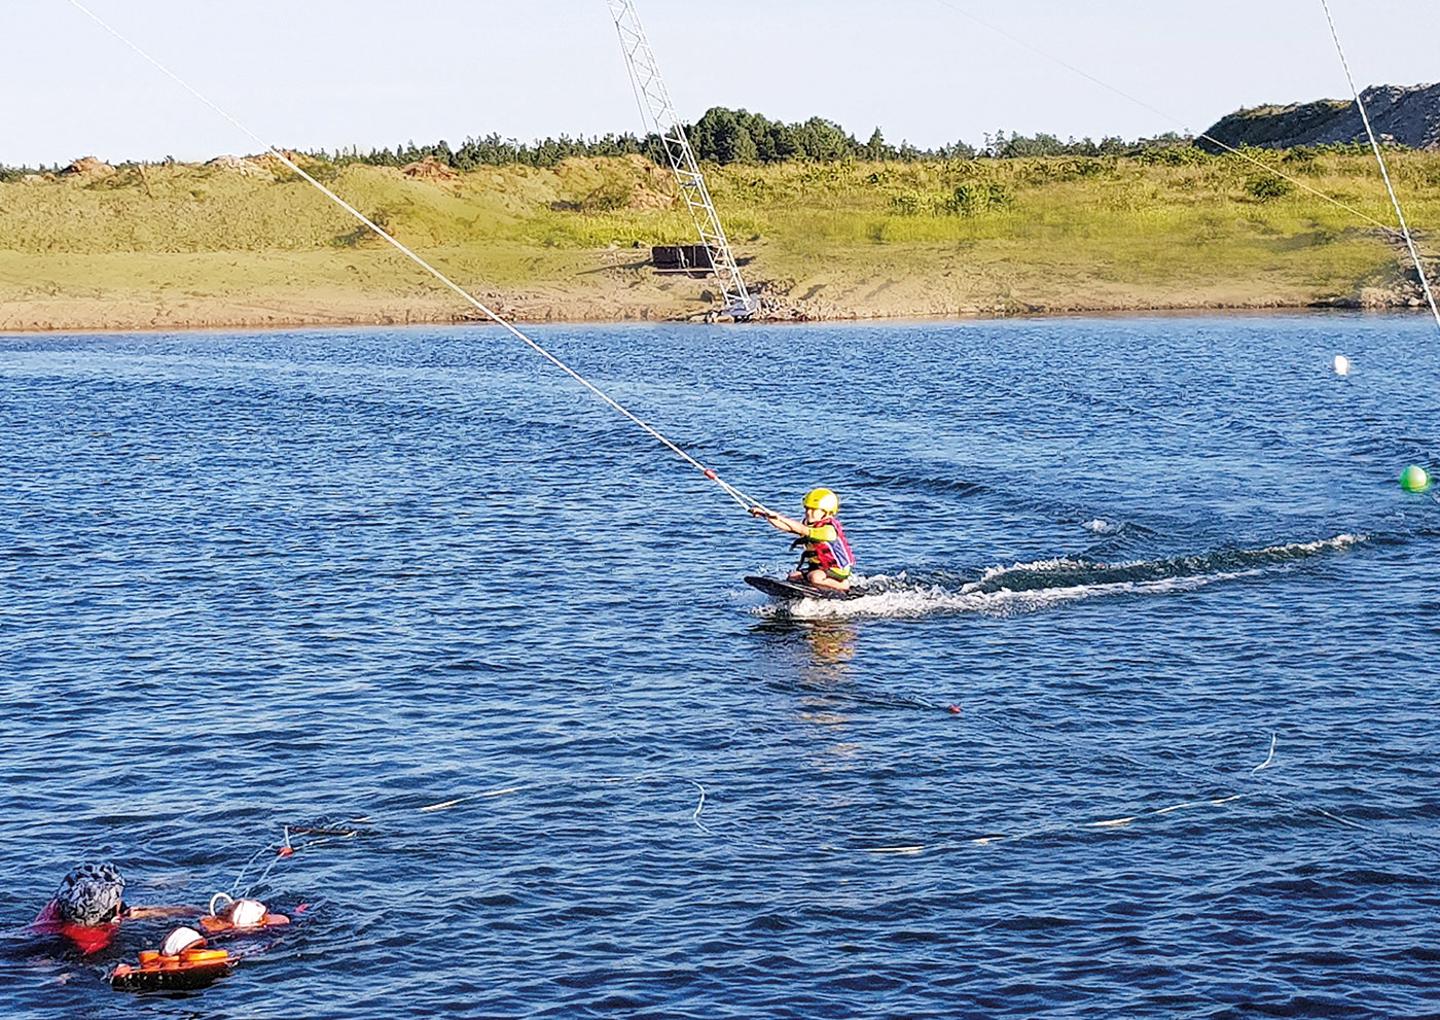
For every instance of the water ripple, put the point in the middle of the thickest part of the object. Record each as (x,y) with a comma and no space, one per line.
(415,586)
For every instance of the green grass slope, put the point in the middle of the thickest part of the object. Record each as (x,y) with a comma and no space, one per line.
(207,245)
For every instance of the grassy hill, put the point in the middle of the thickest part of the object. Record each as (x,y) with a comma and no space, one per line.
(247,243)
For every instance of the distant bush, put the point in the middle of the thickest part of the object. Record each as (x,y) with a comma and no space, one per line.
(1060,169)
(608,197)
(1172,155)
(909,205)
(973,199)
(1305,160)
(1015,146)
(14,173)
(1267,187)
(729,137)
(363,235)
(1354,148)
(494,150)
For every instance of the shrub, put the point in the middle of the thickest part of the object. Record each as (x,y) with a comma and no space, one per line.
(973,199)
(610,196)
(907,205)
(1304,160)
(1267,187)
(1172,155)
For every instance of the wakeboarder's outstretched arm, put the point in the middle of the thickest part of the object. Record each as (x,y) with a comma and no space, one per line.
(138,913)
(780,521)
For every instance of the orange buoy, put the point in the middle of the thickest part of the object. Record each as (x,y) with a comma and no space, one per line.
(239,915)
(216,925)
(195,967)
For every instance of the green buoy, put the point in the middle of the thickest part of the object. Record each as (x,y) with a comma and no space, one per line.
(1414,479)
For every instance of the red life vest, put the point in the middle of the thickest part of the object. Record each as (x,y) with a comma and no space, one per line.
(827,555)
(87,938)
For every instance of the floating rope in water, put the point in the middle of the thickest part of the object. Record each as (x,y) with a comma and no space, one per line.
(325,831)
(1384,170)
(293,838)
(1062,826)
(730,490)
(1269,759)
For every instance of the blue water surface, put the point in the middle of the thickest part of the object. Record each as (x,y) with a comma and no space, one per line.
(335,579)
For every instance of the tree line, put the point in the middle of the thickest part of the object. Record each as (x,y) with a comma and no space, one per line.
(727,136)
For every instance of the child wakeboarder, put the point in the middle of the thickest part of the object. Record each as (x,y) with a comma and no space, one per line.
(825,557)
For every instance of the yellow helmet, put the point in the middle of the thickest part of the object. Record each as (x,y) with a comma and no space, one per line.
(822,499)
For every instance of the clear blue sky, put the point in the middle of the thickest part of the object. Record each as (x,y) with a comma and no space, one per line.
(328,73)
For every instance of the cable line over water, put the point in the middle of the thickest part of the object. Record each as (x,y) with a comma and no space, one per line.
(736,494)
(1384,170)
(1233,150)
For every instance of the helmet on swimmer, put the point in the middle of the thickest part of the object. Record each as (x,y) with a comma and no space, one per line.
(822,499)
(91,894)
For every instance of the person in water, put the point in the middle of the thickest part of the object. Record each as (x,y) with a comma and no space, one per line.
(825,557)
(89,906)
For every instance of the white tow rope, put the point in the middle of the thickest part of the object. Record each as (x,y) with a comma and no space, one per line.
(732,491)
(1384,170)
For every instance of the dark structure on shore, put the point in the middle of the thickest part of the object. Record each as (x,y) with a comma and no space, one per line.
(692,259)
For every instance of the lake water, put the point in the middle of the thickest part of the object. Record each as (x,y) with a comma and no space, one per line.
(340,577)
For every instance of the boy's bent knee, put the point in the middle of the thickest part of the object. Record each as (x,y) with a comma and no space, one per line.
(824,579)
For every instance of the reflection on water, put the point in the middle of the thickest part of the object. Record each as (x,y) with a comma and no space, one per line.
(823,652)
(832,647)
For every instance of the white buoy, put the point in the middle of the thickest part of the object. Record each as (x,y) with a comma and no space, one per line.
(1342,365)
(247,913)
(179,940)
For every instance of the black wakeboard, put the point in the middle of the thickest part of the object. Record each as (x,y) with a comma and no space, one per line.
(793,590)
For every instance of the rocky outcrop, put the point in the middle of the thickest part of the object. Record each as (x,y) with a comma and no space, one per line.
(88,167)
(1404,115)
(239,165)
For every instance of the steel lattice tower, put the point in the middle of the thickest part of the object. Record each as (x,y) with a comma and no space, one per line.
(655,106)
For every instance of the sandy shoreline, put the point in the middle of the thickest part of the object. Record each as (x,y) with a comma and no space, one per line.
(139,292)
(149,291)
(271,324)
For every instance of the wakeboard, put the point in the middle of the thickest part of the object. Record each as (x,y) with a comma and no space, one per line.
(791,591)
